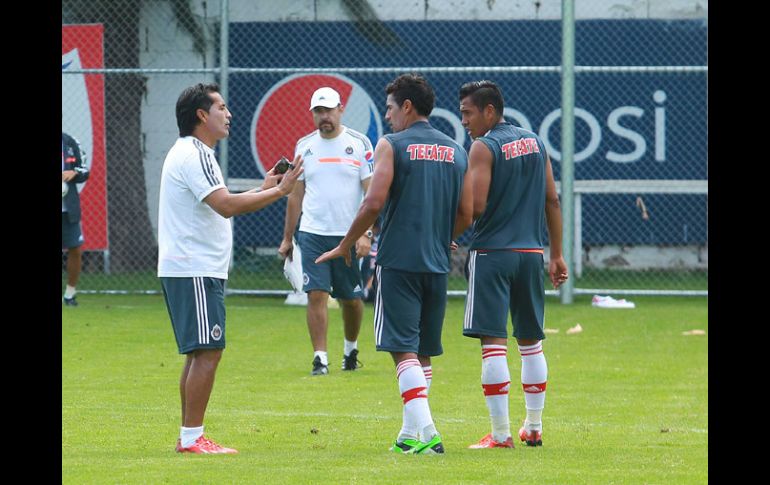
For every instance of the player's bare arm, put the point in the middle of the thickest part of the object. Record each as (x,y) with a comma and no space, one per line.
(465,208)
(293,210)
(372,204)
(228,204)
(480,161)
(557,267)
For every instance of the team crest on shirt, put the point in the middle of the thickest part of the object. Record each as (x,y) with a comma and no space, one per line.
(216,332)
(349,150)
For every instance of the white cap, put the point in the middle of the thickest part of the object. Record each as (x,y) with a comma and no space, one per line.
(326,97)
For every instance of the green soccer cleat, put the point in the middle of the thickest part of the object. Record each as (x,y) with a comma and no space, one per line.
(432,447)
(406,447)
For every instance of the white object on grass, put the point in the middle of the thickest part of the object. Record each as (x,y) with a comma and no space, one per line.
(609,302)
(576,329)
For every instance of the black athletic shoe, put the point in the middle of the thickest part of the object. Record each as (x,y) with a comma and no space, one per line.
(351,362)
(70,301)
(318,368)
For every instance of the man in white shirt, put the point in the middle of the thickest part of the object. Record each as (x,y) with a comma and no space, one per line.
(194,246)
(338,167)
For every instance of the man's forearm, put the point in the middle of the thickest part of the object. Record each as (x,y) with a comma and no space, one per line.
(553,219)
(292,216)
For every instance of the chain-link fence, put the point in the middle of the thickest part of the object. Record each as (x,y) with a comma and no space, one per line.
(640,106)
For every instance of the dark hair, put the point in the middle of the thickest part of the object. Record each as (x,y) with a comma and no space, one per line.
(190,101)
(414,88)
(483,93)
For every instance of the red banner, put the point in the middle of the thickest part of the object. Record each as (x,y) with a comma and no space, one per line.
(82,47)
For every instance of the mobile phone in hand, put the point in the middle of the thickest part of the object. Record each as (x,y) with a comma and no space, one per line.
(283,165)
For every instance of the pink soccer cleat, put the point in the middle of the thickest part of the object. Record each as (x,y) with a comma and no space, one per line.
(531,437)
(489,442)
(204,445)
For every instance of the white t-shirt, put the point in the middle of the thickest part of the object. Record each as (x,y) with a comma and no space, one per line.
(333,173)
(193,239)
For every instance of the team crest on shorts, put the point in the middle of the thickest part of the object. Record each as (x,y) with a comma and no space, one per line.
(216,332)
(305,278)
(349,150)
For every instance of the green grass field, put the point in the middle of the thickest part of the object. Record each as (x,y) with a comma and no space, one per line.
(627,400)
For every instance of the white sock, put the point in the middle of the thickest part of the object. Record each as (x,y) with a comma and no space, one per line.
(534,376)
(428,371)
(496,381)
(69,292)
(189,435)
(323,355)
(412,385)
(350,346)
(534,420)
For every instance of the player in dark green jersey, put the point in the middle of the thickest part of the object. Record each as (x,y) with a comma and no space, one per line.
(422,184)
(514,195)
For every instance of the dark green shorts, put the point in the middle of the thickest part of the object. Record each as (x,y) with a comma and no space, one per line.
(503,281)
(196,307)
(409,311)
(334,277)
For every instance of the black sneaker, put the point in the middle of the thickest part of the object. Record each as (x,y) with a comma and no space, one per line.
(318,368)
(70,301)
(351,362)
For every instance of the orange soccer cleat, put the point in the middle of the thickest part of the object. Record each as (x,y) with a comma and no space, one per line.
(531,437)
(489,442)
(204,445)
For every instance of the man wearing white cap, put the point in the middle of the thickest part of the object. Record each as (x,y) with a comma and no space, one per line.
(338,166)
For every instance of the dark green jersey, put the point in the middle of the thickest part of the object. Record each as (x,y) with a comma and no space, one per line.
(514,217)
(419,215)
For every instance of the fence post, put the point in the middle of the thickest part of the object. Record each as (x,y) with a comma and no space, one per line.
(224,66)
(568,142)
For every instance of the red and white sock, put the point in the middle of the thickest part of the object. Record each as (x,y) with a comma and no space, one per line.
(534,376)
(496,381)
(428,371)
(413,388)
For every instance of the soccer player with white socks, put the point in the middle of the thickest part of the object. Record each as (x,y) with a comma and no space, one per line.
(413,267)
(512,175)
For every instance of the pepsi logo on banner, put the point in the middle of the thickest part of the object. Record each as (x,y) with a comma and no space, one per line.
(283,115)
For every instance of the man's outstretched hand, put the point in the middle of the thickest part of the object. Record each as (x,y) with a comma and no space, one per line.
(337,252)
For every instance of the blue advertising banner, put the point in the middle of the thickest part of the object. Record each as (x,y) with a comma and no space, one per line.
(630,125)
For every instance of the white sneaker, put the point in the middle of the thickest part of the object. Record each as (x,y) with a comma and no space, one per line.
(299,299)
